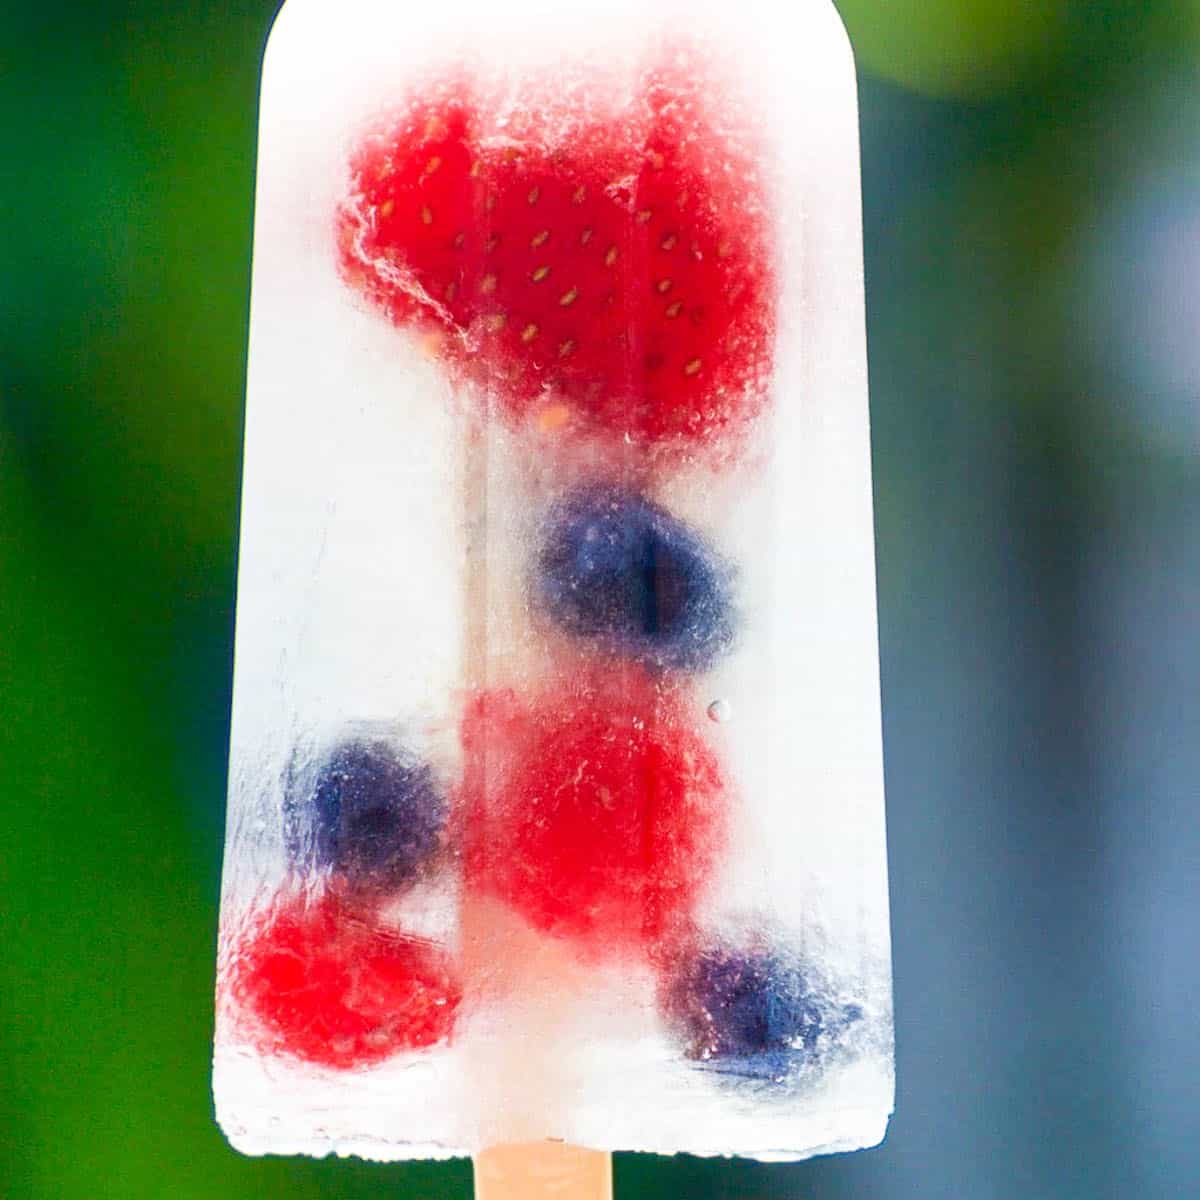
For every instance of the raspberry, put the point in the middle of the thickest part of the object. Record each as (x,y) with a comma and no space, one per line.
(327,984)
(597,812)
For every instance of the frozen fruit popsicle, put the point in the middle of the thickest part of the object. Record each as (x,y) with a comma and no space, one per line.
(556,806)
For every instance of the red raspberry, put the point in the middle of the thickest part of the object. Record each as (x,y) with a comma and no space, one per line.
(597,812)
(331,986)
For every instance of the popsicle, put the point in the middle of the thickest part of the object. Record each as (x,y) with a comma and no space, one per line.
(556,803)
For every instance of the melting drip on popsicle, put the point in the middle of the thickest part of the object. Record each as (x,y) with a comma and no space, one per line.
(616,261)
(330,985)
(619,570)
(375,813)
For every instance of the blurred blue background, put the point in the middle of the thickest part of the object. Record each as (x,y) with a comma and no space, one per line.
(1032,199)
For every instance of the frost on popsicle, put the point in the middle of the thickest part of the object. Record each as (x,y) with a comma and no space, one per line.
(605,260)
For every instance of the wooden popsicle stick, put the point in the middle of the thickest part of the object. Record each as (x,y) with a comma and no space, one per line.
(543,1171)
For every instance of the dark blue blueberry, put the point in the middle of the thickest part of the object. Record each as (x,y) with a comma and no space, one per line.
(619,570)
(377,814)
(751,1013)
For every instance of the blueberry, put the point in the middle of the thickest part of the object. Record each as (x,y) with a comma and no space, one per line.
(619,570)
(376,813)
(752,1013)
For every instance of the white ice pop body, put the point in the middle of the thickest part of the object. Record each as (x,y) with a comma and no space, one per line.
(355,610)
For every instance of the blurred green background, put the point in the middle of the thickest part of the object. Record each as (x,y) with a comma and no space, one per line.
(1032,199)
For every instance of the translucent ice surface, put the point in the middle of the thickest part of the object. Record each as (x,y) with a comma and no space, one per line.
(556,802)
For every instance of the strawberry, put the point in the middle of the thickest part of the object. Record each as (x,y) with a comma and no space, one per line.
(607,267)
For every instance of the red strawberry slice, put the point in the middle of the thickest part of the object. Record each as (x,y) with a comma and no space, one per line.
(611,267)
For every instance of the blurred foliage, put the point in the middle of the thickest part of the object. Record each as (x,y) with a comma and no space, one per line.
(1001,139)
(984,49)
(946,47)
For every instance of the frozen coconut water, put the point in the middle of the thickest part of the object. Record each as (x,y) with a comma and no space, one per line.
(556,802)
